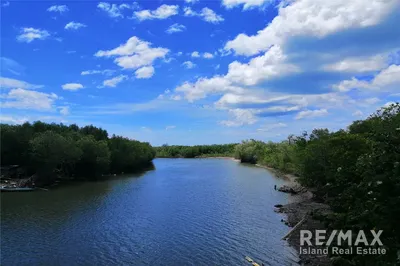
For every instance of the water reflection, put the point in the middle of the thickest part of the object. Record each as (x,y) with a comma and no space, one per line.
(192,212)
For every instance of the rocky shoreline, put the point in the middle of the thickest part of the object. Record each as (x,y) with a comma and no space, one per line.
(300,214)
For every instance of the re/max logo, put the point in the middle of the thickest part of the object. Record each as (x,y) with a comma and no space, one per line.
(307,236)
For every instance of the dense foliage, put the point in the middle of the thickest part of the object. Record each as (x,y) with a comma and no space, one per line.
(51,150)
(175,151)
(356,171)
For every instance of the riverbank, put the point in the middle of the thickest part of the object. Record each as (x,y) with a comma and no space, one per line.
(303,208)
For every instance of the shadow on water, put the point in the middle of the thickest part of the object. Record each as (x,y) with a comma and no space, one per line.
(74,196)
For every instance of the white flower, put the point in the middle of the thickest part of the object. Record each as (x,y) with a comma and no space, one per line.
(379,182)
(339,169)
(370,192)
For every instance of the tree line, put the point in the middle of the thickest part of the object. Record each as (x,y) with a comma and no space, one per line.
(53,150)
(177,151)
(356,171)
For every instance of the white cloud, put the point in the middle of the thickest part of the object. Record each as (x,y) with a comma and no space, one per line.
(144,72)
(29,34)
(28,99)
(387,77)
(372,100)
(210,16)
(357,113)
(246,3)
(58,8)
(241,117)
(270,127)
(106,72)
(74,25)
(195,54)
(175,28)
(206,14)
(114,81)
(169,127)
(135,53)
(386,80)
(271,64)
(204,86)
(311,113)
(176,97)
(114,10)
(316,18)
(72,86)
(162,12)
(208,55)
(188,64)
(12,120)
(7,83)
(191,1)
(64,110)
(358,64)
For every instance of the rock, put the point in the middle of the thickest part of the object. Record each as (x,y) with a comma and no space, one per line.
(287,189)
(278,206)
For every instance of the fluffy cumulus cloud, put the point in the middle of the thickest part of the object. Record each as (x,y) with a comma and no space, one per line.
(316,18)
(205,13)
(162,12)
(134,54)
(240,117)
(74,25)
(188,64)
(386,80)
(208,55)
(272,64)
(175,28)
(58,8)
(358,64)
(195,54)
(144,72)
(27,99)
(30,34)
(72,86)
(204,86)
(113,82)
(305,61)
(115,10)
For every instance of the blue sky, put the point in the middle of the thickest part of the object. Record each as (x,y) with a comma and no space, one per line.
(199,72)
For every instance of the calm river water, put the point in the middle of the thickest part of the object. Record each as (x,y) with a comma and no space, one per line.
(185,212)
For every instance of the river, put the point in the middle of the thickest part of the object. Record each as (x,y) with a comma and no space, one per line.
(184,212)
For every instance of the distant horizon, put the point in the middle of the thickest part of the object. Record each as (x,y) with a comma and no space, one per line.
(196,72)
